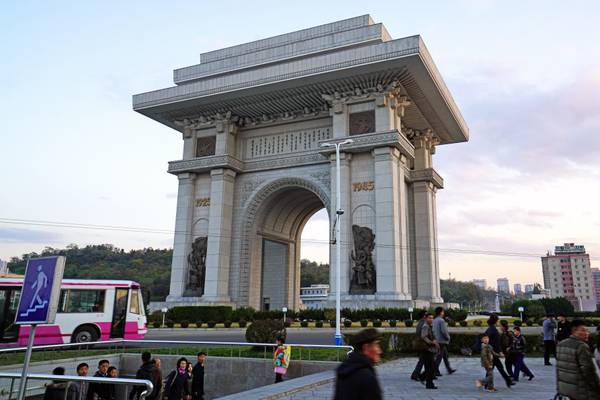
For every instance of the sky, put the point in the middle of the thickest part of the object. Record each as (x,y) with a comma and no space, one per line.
(525,75)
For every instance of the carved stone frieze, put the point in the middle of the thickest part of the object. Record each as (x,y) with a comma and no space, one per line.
(426,175)
(363,279)
(197,267)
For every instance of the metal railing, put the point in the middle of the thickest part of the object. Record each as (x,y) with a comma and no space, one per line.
(71,378)
(122,345)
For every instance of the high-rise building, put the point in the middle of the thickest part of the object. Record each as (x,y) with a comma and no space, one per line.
(596,279)
(3,267)
(528,288)
(480,283)
(567,274)
(517,289)
(503,285)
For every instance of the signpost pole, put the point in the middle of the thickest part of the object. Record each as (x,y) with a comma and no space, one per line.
(23,383)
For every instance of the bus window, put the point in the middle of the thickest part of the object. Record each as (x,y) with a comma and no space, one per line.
(134,306)
(9,301)
(81,301)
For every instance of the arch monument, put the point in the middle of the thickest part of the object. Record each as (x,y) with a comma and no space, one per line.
(253,118)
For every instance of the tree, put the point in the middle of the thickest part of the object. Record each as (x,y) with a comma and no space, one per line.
(312,273)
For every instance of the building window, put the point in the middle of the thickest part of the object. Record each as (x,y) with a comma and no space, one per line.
(81,301)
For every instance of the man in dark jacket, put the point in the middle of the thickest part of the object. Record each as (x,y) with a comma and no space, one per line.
(417,371)
(98,391)
(355,377)
(429,349)
(57,390)
(563,328)
(492,333)
(506,341)
(149,372)
(198,378)
(576,375)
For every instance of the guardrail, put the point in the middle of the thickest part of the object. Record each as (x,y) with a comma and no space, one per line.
(71,378)
(122,344)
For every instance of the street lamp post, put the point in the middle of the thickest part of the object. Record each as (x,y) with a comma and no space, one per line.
(521,309)
(410,310)
(338,214)
(164,312)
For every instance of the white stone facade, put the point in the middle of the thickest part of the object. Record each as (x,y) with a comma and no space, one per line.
(253,171)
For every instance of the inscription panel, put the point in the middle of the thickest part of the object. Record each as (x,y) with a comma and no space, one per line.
(285,143)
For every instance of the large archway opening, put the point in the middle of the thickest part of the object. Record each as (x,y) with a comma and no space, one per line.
(275,246)
(315,260)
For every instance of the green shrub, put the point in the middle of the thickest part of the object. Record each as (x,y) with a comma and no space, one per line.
(477,323)
(304,323)
(347,323)
(377,323)
(463,323)
(265,331)
(212,324)
(243,313)
(452,323)
(408,323)
(227,324)
(170,323)
(456,314)
(199,324)
(204,313)
(184,323)
(529,322)
(364,323)
(517,322)
(329,314)
(287,323)
(332,323)
(319,324)
(242,323)
(156,324)
(392,323)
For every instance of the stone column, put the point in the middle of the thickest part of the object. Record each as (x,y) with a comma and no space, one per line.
(339,114)
(345,240)
(182,243)
(428,278)
(189,142)
(219,236)
(392,273)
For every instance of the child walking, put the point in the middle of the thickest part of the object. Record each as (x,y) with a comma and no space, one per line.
(487,362)
(518,348)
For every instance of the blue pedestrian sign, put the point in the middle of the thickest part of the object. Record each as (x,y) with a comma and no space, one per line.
(41,290)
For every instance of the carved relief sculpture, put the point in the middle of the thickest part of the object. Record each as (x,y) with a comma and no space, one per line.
(363,268)
(197,267)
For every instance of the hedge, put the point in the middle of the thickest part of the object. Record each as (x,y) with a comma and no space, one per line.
(200,313)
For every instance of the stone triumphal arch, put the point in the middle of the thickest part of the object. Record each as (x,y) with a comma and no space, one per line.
(253,118)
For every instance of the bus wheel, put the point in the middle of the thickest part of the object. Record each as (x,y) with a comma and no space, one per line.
(85,334)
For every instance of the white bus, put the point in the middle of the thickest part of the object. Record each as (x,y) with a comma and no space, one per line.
(88,311)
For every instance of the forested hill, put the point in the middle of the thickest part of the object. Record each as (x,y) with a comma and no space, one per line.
(150,267)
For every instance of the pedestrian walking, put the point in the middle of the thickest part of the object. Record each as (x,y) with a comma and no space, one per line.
(576,375)
(563,328)
(506,341)
(518,351)
(57,390)
(78,390)
(494,341)
(356,378)
(419,367)
(429,348)
(442,336)
(100,391)
(548,327)
(198,377)
(487,362)
(177,387)
(150,372)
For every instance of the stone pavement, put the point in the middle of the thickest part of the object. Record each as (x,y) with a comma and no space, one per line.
(395,380)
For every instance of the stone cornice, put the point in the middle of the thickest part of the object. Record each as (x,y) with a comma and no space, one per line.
(370,141)
(426,175)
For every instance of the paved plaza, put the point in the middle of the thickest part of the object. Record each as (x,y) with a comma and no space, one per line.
(394,377)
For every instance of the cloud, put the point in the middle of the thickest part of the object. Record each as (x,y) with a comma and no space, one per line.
(17,235)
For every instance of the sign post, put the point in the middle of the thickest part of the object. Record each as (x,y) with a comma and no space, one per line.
(410,310)
(284,309)
(38,302)
(521,309)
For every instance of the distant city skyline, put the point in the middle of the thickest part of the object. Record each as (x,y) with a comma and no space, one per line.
(75,152)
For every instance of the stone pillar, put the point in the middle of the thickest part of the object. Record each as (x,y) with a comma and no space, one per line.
(391,268)
(425,240)
(182,243)
(189,142)
(345,240)
(339,116)
(219,236)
